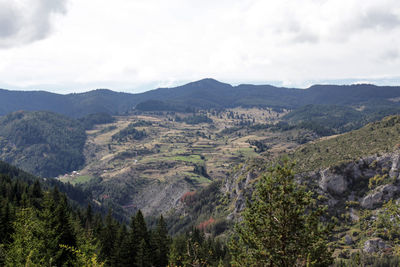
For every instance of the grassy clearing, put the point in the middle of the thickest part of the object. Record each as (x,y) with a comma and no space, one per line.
(82,179)
(76,179)
(247,152)
(198,179)
(194,159)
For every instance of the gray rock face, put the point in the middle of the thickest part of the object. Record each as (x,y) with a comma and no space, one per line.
(238,188)
(348,240)
(394,170)
(374,245)
(340,184)
(158,198)
(354,217)
(378,196)
(332,182)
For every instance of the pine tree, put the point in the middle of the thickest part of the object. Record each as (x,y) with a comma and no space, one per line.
(128,248)
(121,248)
(64,233)
(27,246)
(59,231)
(107,238)
(142,256)
(6,228)
(36,194)
(141,235)
(161,243)
(281,226)
(89,217)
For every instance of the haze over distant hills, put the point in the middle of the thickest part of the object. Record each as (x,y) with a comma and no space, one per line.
(206,93)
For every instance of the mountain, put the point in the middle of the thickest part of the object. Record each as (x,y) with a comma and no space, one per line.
(203,94)
(353,174)
(43,143)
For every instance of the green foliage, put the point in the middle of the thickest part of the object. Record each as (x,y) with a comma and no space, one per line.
(129,133)
(362,259)
(376,137)
(387,224)
(27,246)
(83,259)
(326,119)
(157,105)
(197,119)
(199,204)
(89,121)
(43,143)
(378,180)
(281,226)
(40,228)
(194,249)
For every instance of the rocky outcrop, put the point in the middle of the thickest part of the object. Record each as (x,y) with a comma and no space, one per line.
(375,245)
(331,182)
(340,179)
(158,198)
(380,195)
(239,189)
(339,184)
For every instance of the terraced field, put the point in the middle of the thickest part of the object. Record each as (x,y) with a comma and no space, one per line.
(152,173)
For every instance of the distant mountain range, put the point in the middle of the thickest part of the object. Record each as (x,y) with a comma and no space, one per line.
(206,93)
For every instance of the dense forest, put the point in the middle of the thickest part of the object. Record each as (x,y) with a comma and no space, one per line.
(282,226)
(39,227)
(43,143)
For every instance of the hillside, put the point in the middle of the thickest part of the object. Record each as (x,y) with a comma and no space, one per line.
(203,94)
(42,143)
(198,168)
(149,161)
(374,138)
(40,226)
(354,174)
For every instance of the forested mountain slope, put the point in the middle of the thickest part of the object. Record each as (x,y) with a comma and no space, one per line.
(43,143)
(203,94)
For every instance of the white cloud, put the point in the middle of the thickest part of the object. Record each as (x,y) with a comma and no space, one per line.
(26,21)
(126,44)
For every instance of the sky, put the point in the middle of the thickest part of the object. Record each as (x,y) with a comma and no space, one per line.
(69,46)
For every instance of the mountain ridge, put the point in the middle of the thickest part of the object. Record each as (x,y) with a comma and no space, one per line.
(203,94)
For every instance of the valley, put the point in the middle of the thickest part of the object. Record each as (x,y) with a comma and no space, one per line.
(199,166)
(174,157)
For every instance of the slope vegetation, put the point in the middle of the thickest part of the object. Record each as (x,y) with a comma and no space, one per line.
(43,143)
(377,137)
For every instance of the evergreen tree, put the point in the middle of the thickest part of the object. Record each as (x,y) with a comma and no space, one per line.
(121,248)
(89,217)
(6,228)
(27,246)
(141,236)
(178,255)
(64,233)
(59,231)
(161,243)
(36,194)
(142,257)
(107,238)
(128,247)
(281,226)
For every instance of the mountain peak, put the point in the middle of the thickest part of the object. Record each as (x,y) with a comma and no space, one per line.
(208,82)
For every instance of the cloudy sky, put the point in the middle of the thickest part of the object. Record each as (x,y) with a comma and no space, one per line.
(136,45)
